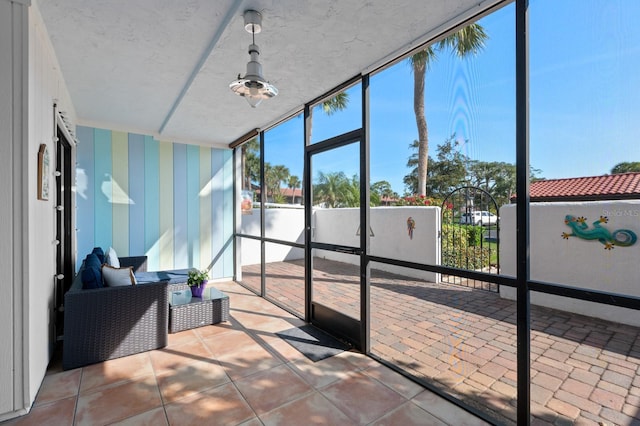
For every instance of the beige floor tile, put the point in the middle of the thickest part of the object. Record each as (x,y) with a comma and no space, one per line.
(170,358)
(244,302)
(445,410)
(114,371)
(195,372)
(262,305)
(408,414)
(251,307)
(155,417)
(253,422)
(59,413)
(357,359)
(260,322)
(265,306)
(59,386)
(270,389)
(322,373)
(219,406)
(188,379)
(118,402)
(240,297)
(362,398)
(228,343)
(280,347)
(231,287)
(216,329)
(182,338)
(395,381)
(249,360)
(314,409)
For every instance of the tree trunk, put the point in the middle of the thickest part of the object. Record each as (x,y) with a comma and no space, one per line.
(243,167)
(419,70)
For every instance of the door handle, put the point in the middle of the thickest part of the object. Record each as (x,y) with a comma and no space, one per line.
(348,250)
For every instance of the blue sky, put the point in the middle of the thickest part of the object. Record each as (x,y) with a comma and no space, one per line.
(584,98)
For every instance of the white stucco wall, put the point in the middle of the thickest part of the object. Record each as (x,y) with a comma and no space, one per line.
(34,82)
(574,261)
(280,223)
(13,23)
(46,86)
(391,239)
(339,226)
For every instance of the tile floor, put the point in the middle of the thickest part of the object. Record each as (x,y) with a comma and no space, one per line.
(238,372)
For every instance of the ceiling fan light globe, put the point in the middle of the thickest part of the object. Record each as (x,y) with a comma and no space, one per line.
(253,101)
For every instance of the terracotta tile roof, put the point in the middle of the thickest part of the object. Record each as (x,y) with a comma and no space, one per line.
(289,192)
(607,187)
(286,192)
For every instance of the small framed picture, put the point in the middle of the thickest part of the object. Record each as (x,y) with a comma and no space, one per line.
(43,173)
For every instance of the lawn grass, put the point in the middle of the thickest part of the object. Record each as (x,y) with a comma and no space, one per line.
(493,248)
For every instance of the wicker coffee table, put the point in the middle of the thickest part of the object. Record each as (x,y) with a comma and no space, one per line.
(186,312)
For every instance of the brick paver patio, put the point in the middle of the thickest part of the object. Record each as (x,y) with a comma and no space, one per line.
(463,340)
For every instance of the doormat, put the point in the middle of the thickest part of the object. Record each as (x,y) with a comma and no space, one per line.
(312,342)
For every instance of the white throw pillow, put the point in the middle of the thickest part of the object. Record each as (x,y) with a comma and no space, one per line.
(111,258)
(117,277)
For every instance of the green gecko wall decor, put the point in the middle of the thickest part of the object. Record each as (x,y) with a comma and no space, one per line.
(620,237)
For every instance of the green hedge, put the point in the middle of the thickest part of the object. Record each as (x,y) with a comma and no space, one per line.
(475,234)
(471,258)
(471,233)
(461,247)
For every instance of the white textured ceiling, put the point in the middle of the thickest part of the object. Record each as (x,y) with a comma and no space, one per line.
(127,63)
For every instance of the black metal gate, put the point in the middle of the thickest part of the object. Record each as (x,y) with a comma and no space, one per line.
(470,235)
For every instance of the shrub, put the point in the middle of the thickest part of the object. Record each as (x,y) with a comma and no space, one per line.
(417,200)
(455,236)
(471,258)
(461,247)
(475,234)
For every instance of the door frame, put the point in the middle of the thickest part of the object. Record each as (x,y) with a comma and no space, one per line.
(64,228)
(65,252)
(334,322)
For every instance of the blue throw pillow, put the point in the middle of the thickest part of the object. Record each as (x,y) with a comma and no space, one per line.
(100,253)
(91,274)
(92,260)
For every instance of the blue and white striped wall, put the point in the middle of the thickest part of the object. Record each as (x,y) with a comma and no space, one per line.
(170,201)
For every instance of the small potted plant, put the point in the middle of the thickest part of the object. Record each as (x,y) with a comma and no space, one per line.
(197,281)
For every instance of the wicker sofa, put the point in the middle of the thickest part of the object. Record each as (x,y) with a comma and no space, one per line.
(112,322)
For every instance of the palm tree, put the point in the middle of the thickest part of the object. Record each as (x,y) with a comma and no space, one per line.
(293,183)
(351,192)
(337,103)
(469,40)
(250,162)
(336,190)
(331,189)
(273,177)
(250,156)
(381,190)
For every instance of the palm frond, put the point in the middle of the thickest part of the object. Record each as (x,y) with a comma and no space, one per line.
(337,103)
(423,57)
(468,40)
